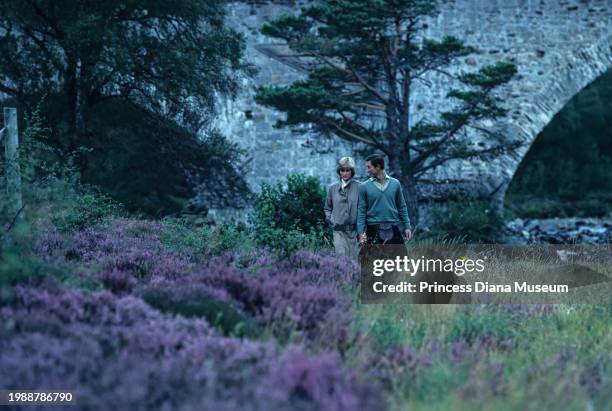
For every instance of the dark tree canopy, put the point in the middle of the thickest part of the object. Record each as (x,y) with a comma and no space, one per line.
(133,82)
(363,59)
(171,56)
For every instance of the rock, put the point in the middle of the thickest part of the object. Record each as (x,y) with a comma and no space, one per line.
(562,230)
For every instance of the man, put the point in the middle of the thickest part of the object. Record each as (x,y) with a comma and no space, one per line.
(341,209)
(382,208)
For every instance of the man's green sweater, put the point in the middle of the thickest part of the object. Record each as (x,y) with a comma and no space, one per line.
(378,206)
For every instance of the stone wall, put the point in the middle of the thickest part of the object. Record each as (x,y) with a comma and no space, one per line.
(559,47)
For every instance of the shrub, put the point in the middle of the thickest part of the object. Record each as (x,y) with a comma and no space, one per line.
(299,205)
(111,349)
(48,175)
(89,209)
(285,242)
(320,381)
(229,235)
(18,263)
(385,331)
(291,217)
(179,236)
(129,246)
(201,242)
(592,208)
(198,300)
(539,209)
(117,281)
(467,220)
(475,325)
(286,298)
(15,269)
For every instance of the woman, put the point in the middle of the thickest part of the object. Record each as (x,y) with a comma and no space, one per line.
(341,209)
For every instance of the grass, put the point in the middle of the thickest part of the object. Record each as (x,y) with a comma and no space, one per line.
(436,357)
(542,360)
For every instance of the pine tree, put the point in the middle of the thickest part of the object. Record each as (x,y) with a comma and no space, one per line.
(170,56)
(363,58)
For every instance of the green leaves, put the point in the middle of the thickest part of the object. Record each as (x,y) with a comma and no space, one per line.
(143,76)
(287,218)
(288,28)
(171,56)
(490,76)
(306,100)
(478,101)
(448,48)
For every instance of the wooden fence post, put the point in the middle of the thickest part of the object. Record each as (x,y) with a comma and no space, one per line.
(10,135)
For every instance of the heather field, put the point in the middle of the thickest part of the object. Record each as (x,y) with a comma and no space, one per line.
(173,174)
(144,315)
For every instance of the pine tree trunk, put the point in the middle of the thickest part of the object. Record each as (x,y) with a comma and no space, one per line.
(497,199)
(13,172)
(79,104)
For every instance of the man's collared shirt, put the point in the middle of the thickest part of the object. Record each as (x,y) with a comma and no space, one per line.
(377,183)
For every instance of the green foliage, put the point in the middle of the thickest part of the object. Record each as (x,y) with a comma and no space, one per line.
(169,55)
(21,265)
(179,236)
(228,320)
(183,237)
(298,205)
(538,209)
(128,87)
(491,323)
(90,208)
(285,242)
(38,158)
(389,329)
(50,181)
(595,205)
(153,166)
(230,235)
(466,220)
(490,356)
(17,267)
(149,164)
(290,217)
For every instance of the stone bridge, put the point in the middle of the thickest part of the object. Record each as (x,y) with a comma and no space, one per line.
(559,46)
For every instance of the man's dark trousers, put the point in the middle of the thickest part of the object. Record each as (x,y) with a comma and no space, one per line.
(373,237)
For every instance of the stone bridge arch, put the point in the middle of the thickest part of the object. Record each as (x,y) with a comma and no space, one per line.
(575,70)
(559,47)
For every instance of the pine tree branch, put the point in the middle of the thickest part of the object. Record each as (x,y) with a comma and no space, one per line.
(377,107)
(498,149)
(15,218)
(347,134)
(450,133)
(8,90)
(349,71)
(362,127)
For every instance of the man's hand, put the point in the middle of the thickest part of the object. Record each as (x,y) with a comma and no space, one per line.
(407,234)
(362,238)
